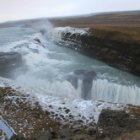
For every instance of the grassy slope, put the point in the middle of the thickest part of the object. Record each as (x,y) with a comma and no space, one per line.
(123,26)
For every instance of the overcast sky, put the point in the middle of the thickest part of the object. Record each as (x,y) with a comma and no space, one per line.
(25,9)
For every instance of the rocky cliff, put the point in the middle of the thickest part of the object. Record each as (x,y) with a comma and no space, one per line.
(114,48)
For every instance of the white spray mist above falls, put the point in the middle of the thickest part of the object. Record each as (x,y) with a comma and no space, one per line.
(50,70)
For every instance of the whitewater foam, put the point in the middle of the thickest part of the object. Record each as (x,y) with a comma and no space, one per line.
(56,34)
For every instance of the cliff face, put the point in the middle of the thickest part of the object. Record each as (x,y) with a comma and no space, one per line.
(115,48)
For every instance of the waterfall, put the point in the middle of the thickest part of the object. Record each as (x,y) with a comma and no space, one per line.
(116,93)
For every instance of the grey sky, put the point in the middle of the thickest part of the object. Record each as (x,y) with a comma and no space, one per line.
(25,9)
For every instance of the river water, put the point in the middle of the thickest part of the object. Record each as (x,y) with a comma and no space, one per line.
(51,69)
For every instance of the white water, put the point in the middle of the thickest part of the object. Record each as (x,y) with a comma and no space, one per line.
(46,68)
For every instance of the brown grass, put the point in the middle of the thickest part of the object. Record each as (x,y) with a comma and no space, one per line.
(122,26)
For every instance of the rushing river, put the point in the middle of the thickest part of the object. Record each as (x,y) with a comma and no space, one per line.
(49,69)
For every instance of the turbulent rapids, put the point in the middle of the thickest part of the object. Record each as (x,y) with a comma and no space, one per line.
(38,60)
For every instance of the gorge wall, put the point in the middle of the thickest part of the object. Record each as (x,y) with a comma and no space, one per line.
(114,48)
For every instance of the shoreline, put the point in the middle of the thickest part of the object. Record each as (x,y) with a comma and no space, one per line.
(30,121)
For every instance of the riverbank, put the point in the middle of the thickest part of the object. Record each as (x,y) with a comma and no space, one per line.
(113,38)
(31,122)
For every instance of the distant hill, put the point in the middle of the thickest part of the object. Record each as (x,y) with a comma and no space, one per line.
(129,18)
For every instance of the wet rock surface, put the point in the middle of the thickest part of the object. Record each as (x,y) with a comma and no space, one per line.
(9,61)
